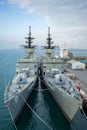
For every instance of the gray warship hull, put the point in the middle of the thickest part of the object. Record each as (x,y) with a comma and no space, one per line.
(15,105)
(67,104)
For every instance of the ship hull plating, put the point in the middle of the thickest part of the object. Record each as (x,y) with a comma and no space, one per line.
(67,104)
(15,105)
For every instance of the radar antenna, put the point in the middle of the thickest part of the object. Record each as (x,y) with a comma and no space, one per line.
(29,40)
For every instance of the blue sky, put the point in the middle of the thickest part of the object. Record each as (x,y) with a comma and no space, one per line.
(67,19)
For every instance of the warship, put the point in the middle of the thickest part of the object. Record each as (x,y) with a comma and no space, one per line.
(23,82)
(62,89)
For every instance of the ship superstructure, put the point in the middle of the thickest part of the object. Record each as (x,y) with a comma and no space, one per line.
(23,82)
(29,60)
(50,60)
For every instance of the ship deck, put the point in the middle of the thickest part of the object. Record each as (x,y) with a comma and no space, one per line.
(81,77)
(12,89)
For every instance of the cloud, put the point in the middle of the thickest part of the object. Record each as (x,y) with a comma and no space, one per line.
(57,12)
(21,3)
(66,17)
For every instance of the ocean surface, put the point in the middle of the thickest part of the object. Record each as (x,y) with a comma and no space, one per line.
(41,102)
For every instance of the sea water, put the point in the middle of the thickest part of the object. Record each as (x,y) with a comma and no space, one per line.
(40,101)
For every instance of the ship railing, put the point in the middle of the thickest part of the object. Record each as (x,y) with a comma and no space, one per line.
(6,91)
(51,75)
(26,59)
(77,95)
(8,99)
(15,93)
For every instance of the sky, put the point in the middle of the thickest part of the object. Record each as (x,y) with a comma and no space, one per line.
(66,18)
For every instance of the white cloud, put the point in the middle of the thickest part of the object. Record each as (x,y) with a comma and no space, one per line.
(21,3)
(66,17)
(62,12)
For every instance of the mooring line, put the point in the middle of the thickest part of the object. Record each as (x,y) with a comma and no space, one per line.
(36,84)
(31,109)
(36,113)
(41,90)
(42,80)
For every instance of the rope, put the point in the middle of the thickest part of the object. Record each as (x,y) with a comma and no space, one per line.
(36,84)
(36,113)
(12,118)
(41,90)
(31,109)
(42,76)
(42,80)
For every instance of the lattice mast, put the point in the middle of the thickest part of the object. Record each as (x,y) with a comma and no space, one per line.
(49,48)
(49,39)
(29,48)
